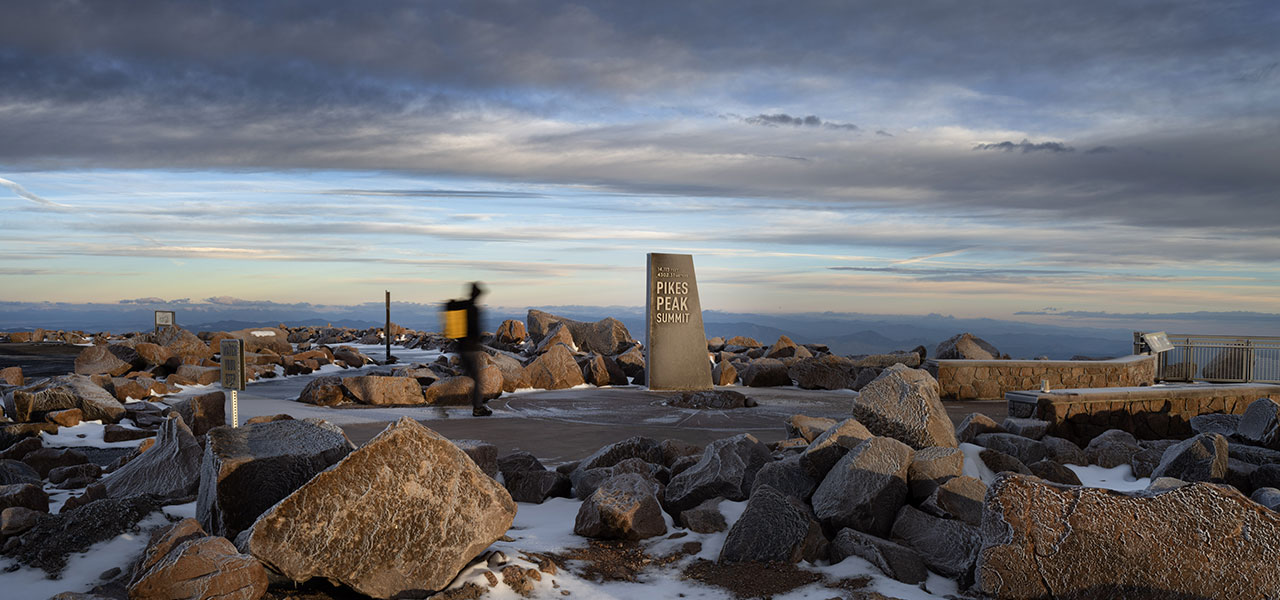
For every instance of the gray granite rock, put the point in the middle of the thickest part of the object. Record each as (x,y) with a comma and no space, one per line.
(825,450)
(893,559)
(903,403)
(727,469)
(1201,458)
(774,528)
(865,489)
(625,507)
(788,476)
(947,546)
(169,469)
(931,467)
(1022,448)
(245,470)
(975,424)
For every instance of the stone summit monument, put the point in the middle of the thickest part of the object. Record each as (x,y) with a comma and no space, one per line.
(675,343)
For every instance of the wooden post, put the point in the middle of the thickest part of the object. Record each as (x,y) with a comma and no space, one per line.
(387,332)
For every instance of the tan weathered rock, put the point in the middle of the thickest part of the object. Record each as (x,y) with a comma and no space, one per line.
(199,374)
(202,568)
(554,370)
(511,331)
(405,512)
(903,403)
(383,390)
(1043,540)
(11,376)
(325,390)
(182,343)
(558,334)
(107,359)
(69,417)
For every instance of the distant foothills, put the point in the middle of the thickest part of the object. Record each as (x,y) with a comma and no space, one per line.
(1030,334)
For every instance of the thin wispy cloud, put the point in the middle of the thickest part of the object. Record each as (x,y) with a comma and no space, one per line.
(23,193)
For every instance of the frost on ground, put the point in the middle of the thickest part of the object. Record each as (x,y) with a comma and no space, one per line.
(678,564)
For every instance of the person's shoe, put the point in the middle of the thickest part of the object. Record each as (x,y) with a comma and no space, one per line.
(483,411)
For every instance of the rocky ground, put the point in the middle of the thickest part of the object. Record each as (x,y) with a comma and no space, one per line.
(891,499)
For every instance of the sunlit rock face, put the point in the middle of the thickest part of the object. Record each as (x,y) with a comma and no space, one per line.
(400,515)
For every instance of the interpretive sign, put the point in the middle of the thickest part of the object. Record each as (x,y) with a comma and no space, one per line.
(675,343)
(164,318)
(1158,342)
(233,372)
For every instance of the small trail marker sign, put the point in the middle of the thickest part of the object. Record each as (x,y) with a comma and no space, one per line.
(234,377)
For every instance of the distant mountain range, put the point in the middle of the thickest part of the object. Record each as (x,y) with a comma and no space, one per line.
(845,333)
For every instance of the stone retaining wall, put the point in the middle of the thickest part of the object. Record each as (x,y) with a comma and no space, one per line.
(990,379)
(1151,413)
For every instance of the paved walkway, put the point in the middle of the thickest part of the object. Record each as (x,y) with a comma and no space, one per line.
(565,425)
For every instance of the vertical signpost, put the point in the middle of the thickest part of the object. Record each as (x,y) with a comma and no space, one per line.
(233,374)
(164,318)
(387,331)
(675,343)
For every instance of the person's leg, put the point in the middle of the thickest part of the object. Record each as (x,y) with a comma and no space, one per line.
(472,364)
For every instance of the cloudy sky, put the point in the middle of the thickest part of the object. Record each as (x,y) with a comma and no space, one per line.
(968,158)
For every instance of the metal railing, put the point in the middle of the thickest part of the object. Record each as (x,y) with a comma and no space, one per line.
(1217,358)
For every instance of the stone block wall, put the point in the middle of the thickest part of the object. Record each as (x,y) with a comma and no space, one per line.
(1147,413)
(990,379)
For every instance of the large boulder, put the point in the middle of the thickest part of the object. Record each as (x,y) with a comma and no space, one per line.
(203,412)
(643,448)
(1259,422)
(511,332)
(26,495)
(607,336)
(766,372)
(182,344)
(247,469)
(966,346)
(325,390)
(827,372)
(624,507)
(903,403)
(169,469)
(182,563)
(788,476)
(1201,458)
(975,424)
(384,390)
(258,339)
(947,546)
(1041,540)
(1024,449)
(823,452)
(775,527)
(108,359)
(727,469)
(1113,448)
(68,391)
(400,515)
(865,489)
(554,369)
(600,370)
(931,467)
